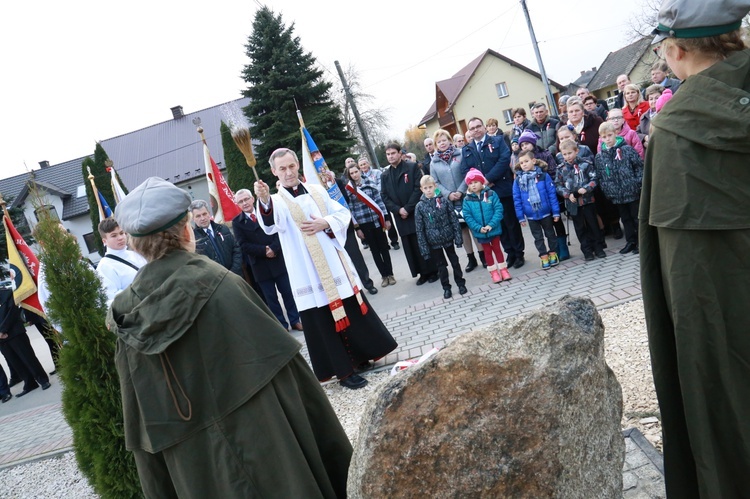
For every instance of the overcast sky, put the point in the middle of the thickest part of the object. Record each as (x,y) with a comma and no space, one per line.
(80,71)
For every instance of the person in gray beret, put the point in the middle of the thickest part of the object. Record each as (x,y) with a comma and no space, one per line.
(694,247)
(217,400)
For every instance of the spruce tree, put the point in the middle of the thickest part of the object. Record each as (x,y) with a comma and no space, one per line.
(102,180)
(279,73)
(91,391)
(239,174)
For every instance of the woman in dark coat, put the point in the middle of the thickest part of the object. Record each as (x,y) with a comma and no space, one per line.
(217,401)
(694,242)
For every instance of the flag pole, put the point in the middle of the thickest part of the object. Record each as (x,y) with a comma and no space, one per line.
(96,194)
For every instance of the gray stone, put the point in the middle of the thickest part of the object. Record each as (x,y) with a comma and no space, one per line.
(522,408)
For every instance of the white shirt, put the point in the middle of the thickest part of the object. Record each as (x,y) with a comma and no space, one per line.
(116,276)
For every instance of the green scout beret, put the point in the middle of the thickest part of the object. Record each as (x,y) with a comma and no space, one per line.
(152,207)
(699,18)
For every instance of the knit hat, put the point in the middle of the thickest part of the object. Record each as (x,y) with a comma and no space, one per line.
(514,140)
(475,175)
(663,99)
(699,18)
(527,136)
(152,207)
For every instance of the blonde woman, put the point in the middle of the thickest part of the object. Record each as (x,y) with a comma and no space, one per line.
(694,242)
(634,107)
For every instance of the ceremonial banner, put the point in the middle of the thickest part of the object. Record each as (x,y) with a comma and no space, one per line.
(117,191)
(314,166)
(222,197)
(24,267)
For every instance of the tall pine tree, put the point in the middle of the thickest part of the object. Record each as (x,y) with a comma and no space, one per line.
(239,175)
(279,73)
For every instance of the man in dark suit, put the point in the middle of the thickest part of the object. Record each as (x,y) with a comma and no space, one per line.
(491,156)
(16,346)
(214,240)
(262,252)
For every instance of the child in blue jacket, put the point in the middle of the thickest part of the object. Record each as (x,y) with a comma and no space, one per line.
(535,200)
(483,212)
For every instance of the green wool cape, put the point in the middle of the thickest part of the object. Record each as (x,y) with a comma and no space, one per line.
(695,277)
(217,401)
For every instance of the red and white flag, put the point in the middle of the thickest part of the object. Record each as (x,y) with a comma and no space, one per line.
(222,197)
(24,267)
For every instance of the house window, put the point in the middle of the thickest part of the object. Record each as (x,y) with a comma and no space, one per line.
(90,241)
(508,115)
(49,209)
(502,90)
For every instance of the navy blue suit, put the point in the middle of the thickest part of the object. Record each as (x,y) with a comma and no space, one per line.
(269,273)
(494,163)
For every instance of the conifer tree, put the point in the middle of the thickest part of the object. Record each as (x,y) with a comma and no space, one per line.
(239,175)
(102,181)
(279,73)
(91,395)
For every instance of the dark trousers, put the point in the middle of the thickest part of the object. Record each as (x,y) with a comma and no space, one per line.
(438,256)
(541,229)
(4,388)
(392,233)
(511,237)
(587,229)
(629,217)
(417,264)
(269,288)
(352,248)
(19,354)
(48,333)
(378,243)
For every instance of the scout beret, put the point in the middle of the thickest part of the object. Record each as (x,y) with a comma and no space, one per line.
(152,207)
(699,18)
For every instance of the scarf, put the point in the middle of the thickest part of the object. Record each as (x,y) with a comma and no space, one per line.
(447,154)
(527,183)
(579,127)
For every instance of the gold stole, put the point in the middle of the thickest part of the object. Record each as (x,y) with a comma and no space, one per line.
(318,257)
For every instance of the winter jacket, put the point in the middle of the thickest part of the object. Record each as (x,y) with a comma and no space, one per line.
(700,148)
(494,163)
(570,178)
(400,189)
(589,135)
(631,138)
(517,130)
(619,171)
(584,154)
(449,176)
(644,128)
(437,224)
(633,118)
(547,195)
(482,210)
(546,133)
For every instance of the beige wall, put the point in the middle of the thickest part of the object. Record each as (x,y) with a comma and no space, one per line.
(479,97)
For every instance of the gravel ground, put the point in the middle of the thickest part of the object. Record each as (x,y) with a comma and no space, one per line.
(626,350)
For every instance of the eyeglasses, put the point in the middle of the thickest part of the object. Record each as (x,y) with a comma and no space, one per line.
(615,118)
(243,201)
(475,127)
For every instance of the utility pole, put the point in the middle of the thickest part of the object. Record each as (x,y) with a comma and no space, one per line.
(362,131)
(550,97)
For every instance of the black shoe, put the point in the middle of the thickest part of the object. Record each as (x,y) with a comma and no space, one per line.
(628,248)
(462,290)
(635,250)
(26,391)
(53,372)
(372,290)
(7,397)
(432,278)
(472,264)
(13,382)
(618,232)
(482,259)
(447,293)
(509,261)
(600,254)
(589,257)
(365,246)
(395,246)
(604,244)
(518,263)
(353,382)
(46,385)
(422,279)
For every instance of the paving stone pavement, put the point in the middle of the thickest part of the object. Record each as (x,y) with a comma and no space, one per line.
(41,432)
